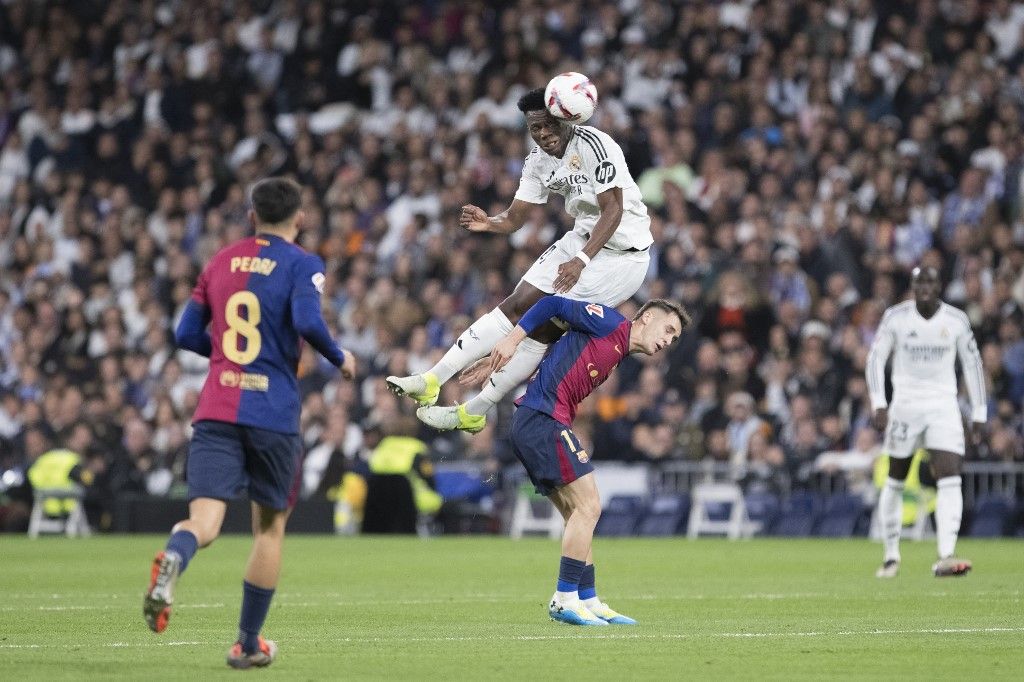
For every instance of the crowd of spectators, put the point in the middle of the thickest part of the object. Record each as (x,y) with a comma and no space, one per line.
(798,159)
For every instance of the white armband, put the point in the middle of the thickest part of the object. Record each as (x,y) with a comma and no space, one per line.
(583,257)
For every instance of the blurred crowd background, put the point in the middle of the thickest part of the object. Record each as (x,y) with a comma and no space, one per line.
(798,158)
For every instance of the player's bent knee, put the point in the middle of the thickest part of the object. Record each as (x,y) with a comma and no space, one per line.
(589,510)
(508,308)
(514,307)
(207,534)
(521,300)
(269,522)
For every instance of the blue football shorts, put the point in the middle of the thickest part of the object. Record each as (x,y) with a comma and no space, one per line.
(550,451)
(226,460)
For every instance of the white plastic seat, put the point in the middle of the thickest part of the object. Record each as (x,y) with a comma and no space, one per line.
(72,524)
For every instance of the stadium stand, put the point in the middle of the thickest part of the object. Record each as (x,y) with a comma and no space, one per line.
(990,517)
(666,515)
(620,516)
(798,158)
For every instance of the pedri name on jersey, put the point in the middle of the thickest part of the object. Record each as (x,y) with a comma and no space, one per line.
(254,264)
(921,353)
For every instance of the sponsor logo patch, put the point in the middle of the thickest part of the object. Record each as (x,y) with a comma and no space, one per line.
(318,282)
(247,381)
(595,309)
(605,172)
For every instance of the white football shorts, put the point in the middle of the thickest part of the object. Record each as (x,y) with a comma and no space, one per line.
(611,277)
(923,423)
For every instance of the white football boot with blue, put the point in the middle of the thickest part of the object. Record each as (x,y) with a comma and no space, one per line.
(607,613)
(572,611)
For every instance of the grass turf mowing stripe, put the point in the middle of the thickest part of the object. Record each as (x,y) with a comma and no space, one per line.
(531,638)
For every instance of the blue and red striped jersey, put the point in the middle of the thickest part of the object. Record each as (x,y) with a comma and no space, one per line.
(258,298)
(580,361)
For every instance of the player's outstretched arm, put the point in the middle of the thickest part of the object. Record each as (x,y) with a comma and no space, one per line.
(569,272)
(589,318)
(191,332)
(309,321)
(475,219)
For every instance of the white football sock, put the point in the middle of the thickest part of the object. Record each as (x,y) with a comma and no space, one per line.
(520,367)
(890,515)
(475,342)
(949,507)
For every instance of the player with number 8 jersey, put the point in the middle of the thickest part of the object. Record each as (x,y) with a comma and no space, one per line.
(256,300)
(261,297)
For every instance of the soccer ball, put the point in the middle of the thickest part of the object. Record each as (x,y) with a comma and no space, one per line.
(570,97)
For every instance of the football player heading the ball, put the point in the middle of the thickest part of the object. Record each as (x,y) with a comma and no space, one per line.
(603,259)
(542,438)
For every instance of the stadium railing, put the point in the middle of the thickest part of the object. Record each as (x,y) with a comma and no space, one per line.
(981,479)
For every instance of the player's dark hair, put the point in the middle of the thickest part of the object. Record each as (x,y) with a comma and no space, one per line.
(532,101)
(275,200)
(669,307)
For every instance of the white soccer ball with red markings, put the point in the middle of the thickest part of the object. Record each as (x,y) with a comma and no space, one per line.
(570,97)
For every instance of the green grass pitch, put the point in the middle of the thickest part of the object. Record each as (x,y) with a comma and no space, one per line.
(475,609)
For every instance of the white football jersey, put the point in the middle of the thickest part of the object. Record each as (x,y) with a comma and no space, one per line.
(924,352)
(592,163)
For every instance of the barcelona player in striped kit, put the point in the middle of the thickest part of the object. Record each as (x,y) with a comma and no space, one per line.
(542,437)
(255,302)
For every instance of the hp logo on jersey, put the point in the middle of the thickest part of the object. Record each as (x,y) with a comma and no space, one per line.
(605,172)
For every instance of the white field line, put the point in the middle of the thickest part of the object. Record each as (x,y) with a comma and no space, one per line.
(330,599)
(574,636)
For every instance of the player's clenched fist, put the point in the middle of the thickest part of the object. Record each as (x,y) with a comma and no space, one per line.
(348,367)
(473,218)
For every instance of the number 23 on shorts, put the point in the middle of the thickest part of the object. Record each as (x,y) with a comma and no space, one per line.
(897,431)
